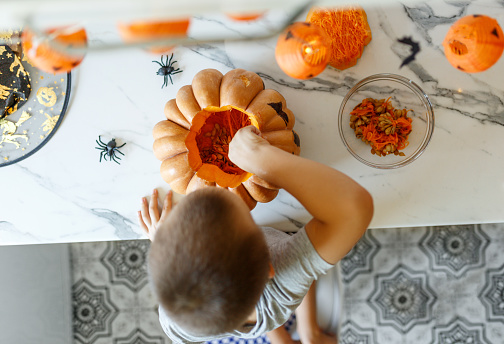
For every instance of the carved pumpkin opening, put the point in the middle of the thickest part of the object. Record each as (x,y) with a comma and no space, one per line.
(211,131)
(458,47)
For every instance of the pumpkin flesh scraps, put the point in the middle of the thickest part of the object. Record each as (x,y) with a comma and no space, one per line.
(348,31)
(215,136)
(384,128)
(208,143)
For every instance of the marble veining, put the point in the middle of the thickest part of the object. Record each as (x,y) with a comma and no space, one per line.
(63,194)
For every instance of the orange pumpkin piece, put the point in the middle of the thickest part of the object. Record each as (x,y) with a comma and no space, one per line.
(193,141)
(303,50)
(50,60)
(144,31)
(474,43)
(348,30)
(245,16)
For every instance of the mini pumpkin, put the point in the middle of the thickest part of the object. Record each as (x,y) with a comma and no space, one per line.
(474,43)
(192,142)
(50,60)
(303,50)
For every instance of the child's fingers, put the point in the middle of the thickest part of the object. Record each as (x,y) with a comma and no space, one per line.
(145,212)
(142,223)
(167,205)
(153,207)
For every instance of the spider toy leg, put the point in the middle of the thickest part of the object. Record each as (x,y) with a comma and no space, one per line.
(121,146)
(169,63)
(101,143)
(178,70)
(170,79)
(113,157)
(101,155)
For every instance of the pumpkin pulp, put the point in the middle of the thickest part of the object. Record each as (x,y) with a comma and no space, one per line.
(211,131)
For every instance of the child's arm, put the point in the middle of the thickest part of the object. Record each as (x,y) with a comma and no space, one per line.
(340,207)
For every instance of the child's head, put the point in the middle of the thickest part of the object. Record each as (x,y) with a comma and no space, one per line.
(209,262)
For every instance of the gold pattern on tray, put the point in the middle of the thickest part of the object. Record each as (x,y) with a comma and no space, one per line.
(4,91)
(46,96)
(49,123)
(9,130)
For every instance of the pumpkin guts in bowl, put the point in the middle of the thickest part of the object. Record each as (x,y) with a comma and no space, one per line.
(384,128)
(390,113)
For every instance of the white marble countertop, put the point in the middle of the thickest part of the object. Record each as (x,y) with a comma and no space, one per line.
(63,194)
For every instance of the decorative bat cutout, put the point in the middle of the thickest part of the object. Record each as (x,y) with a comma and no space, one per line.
(415,49)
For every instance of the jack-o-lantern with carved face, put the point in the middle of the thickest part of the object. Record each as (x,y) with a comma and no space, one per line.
(193,141)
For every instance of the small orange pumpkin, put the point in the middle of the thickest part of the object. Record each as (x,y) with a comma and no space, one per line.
(474,43)
(187,139)
(302,50)
(144,31)
(48,59)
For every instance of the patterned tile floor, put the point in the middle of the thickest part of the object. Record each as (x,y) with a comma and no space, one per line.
(402,285)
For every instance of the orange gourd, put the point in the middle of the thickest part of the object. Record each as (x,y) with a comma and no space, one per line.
(144,31)
(50,60)
(187,139)
(348,30)
(302,50)
(474,43)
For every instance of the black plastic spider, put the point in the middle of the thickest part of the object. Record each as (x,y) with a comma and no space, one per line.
(167,69)
(110,149)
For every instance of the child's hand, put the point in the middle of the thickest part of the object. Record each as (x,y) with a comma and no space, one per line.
(149,217)
(243,147)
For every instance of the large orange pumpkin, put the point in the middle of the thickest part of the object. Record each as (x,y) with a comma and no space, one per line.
(192,142)
(474,43)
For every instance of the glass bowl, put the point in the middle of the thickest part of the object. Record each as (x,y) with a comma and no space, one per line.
(404,93)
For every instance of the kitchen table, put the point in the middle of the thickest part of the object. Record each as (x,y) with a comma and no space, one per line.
(64,194)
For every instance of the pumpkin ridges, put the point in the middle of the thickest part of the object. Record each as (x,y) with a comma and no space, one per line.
(186,102)
(268,107)
(187,180)
(283,139)
(261,182)
(169,139)
(239,87)
(176,172)
(206,86)
(167,128)
(259,193)
(173,113)
(244,195)
(198,183)
(169,146)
